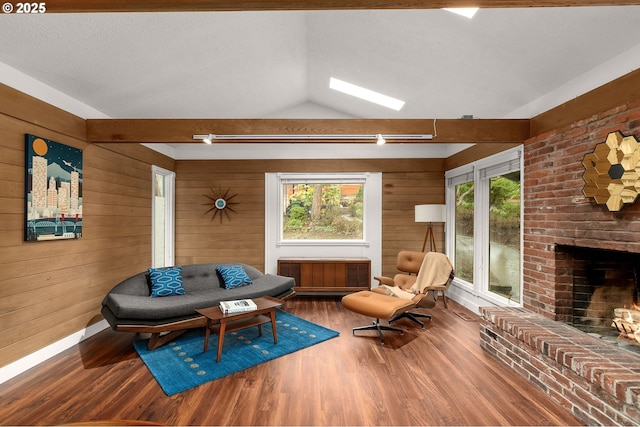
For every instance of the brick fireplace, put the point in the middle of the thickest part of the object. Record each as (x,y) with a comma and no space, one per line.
(598,382)
(603,280)
(557,213)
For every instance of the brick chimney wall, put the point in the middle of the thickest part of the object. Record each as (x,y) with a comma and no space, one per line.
(557,212)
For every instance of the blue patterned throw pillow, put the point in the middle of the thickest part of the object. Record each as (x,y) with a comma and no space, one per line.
(234,276)
(166,281)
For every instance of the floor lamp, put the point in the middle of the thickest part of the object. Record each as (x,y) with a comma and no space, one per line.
(430,214)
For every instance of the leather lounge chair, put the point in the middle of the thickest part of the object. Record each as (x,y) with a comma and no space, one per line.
(420,279)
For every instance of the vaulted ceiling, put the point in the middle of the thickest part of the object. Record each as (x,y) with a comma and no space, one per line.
(503,63)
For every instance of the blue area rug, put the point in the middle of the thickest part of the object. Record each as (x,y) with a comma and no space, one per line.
(181,364)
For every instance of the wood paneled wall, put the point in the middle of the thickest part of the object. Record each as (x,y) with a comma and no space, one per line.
(52,289)
(401,192)
(406,183)
(199,238)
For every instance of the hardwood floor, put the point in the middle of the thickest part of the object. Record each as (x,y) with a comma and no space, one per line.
(435,376)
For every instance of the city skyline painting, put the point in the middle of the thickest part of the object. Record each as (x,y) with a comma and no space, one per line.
(53,190)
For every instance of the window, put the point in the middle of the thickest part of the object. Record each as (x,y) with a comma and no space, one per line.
(322,210)
(484,205)
(162,217)
(464,231)
(504,235)
(323,215)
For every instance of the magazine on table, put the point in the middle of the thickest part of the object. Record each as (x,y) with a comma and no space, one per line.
(237,306)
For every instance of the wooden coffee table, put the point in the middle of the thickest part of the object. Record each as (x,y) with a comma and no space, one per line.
(220,323)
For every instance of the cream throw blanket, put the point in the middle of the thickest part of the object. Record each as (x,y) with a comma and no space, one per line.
(434,271)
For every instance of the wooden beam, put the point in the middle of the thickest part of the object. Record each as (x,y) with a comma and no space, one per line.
(92,6)
(182,130)
(475,152)
(603,98)
(19,105)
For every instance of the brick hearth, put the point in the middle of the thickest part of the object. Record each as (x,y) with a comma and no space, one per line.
(598,382)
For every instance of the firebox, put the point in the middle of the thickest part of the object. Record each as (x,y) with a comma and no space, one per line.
(606,292)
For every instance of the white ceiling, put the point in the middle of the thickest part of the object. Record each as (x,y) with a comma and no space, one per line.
(503,63)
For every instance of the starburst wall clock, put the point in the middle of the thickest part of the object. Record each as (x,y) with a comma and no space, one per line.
(220,203)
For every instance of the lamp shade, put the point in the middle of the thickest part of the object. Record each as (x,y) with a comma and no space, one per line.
(430,213)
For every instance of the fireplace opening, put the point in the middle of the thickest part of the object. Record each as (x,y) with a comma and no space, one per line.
(606,291)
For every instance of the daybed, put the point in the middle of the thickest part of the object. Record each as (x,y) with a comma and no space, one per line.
(129,307)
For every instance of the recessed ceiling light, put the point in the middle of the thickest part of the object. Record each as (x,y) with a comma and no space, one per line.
(467,12)
(366,94)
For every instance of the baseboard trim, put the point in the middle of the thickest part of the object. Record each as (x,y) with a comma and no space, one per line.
(465,298)
(474,300)
(21,365)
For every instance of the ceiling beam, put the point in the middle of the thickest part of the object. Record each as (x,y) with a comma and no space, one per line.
(94,6)
(610,95)
(182,130)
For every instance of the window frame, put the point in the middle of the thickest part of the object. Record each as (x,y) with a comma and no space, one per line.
(168,257)
(462,175)
(480,173)
(369,247)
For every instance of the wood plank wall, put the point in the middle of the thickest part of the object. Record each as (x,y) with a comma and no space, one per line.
(50,290)
(53,289)
(406,183)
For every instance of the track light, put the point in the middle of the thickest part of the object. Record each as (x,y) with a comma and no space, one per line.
(379,138)
(208,139)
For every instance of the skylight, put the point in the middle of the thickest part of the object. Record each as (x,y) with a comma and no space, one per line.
(366,94)
(467,12)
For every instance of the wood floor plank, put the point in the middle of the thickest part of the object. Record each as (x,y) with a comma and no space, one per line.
(438,375)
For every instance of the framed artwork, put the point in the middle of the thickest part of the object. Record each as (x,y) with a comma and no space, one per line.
(53,190)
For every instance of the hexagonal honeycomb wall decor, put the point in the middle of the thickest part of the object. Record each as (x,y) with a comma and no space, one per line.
(612,171)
